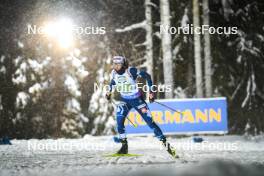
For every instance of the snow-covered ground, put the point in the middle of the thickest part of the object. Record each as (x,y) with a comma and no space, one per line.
(217,155)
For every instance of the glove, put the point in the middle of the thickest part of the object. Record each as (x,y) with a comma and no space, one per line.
(151,97)
(108,96)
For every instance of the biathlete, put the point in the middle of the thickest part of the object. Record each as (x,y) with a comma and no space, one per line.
(124,79)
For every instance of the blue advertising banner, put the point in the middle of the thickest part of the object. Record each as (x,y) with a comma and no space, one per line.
(205,115)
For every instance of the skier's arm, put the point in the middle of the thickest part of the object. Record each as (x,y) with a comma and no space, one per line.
(147,77)
(108,94)
(111,85)
(136,73)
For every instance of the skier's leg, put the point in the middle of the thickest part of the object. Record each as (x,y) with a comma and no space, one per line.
(157,131)
(143,110)
(122,111)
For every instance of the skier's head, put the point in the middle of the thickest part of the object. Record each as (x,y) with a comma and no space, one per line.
(119,63)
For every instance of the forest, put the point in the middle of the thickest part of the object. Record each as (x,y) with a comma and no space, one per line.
(47,85)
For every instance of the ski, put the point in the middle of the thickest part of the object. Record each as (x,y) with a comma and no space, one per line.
(123,155)
(171,150)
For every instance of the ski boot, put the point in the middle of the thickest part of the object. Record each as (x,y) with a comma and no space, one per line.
(124,147)
(169,148)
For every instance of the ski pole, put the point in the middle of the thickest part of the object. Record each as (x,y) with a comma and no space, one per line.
(168,107)
(135,125)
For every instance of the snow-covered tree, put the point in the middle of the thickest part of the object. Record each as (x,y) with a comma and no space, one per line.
(73,119)
(49,96)
(30,80)
(100,108)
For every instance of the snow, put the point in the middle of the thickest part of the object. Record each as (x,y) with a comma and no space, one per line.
(35,88)
(185,18)
(2,59)
(37,67)
(240,156)
(77,52)
(20,44)
(82,73)
(22,99)
(73,105)
(19,77)
(179,93)
(23,66)
(83,118)
(3,69)
(78,64)
(17,60)
(133,26)
(72,85)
